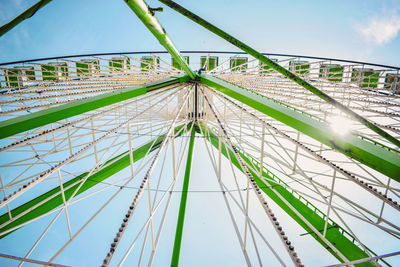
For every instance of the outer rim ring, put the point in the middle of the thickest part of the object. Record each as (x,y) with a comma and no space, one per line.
(196,52)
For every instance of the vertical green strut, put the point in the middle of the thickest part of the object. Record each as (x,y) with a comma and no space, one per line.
(182,207)
(280,69)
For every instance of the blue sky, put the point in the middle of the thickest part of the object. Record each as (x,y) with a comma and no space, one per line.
(366,30)
(358,30)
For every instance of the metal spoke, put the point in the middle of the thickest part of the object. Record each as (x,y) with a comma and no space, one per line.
(68,173)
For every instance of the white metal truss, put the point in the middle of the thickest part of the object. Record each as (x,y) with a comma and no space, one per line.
(361,202)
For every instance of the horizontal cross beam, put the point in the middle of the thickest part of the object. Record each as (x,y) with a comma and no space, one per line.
(40,118)
(376,157)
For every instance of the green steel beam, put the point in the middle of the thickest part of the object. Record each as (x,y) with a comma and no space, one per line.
(376,157)
(146,15)
(24,15)
(91,181)
(334,233)
(182,207)
(40,118)
(280,69)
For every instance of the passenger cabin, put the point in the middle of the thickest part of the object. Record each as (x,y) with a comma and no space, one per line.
(176,64)
(392,82)
(238,64)
(365,77)
(148,63)
(87,67)
(299,66)
(119,64)
(208,63)
(265,68)
(54,71)
(19,76)
(332,72)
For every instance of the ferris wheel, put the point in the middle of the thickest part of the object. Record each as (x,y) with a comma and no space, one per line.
(252,159)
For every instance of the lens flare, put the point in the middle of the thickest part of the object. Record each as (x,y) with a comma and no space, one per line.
(340,125)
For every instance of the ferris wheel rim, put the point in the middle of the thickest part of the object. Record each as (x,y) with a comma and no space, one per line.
(199,52)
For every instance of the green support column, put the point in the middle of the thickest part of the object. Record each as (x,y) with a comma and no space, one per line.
(146,15)
(279,69)
(40,118)
(376,157)
(117,164)
(335,234)
(182,207)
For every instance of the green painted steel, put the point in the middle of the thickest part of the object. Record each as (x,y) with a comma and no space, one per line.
(332,72)
(299,66)
(19,75)
(54,71)
(365,77)
(175,63)
(334,233)
(265,68)
(392,82)
(238,64)
(212,62)
(182,207)
(146,15)
(86,67)
(376,157)
(280,69)
(119,63)
(24,15)
(117,164)
(148,63)
(40,118)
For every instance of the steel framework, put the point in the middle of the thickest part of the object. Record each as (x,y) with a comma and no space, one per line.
(303,153)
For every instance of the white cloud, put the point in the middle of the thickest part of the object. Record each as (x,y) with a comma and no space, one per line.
(380,30)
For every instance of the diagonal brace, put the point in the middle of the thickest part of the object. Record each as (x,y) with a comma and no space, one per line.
(378,158)
(280,69)
(334,234)
(146,15)
(23,16)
